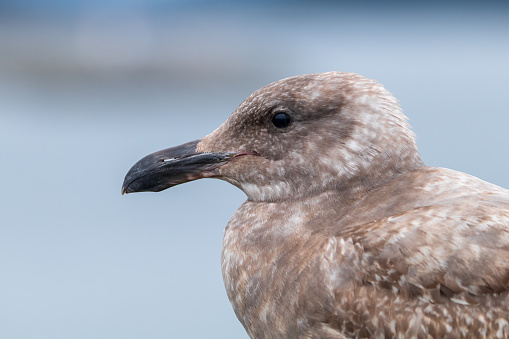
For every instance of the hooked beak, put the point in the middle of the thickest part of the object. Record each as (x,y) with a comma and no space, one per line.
(173,166)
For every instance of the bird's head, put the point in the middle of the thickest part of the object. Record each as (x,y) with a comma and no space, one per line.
(295,137)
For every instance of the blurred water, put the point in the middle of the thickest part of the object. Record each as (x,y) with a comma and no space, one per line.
(84,96)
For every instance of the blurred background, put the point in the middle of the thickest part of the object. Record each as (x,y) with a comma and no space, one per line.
(89,87)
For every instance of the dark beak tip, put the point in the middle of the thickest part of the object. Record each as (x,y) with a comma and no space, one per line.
(125,184)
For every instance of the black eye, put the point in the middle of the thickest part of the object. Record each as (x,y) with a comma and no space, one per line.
(281,120)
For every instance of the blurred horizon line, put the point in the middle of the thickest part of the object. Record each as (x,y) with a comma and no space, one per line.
(73,8)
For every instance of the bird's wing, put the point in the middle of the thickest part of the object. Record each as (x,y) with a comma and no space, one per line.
(430,270)
(460,247)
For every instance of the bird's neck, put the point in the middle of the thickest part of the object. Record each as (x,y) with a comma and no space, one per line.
(378,175)
(345,187)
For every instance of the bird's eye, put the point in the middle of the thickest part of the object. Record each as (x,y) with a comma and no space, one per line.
(281,120)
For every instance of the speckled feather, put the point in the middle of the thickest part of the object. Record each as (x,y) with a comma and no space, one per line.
(345,232)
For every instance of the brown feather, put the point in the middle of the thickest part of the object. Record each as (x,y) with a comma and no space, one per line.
(345,232)
(379,248)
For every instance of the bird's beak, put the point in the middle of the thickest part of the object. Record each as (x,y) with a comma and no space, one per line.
(173,166)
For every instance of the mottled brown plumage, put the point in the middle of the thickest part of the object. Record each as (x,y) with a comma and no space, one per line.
(345,232)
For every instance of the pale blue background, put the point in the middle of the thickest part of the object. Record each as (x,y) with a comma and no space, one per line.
(89,87)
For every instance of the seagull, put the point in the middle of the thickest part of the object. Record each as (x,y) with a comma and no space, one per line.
(345,232)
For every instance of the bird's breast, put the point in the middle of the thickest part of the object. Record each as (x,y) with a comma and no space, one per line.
(269,264)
